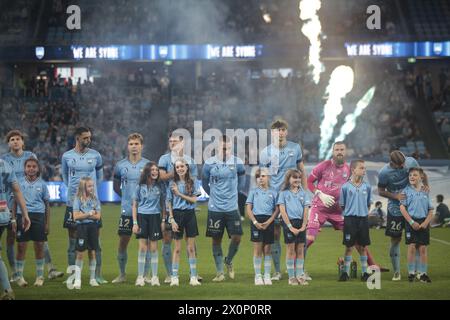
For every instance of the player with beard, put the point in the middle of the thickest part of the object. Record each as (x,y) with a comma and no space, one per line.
(325,182)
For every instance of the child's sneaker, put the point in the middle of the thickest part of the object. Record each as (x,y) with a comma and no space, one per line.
(39,282)
(259,280)
(293,282)
(140,282)
(397,276)
(93,283)
(267,280)
(168,279)
(302,280)
(194,282)
(21,282)
(155,281)
(425,278)
(174,282)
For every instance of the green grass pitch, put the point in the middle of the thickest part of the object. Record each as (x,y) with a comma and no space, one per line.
(321,265)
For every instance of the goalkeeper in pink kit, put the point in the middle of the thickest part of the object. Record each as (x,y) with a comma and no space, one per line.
(325,182)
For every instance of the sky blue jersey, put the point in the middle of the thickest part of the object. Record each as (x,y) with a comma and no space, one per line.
(279,161)
(149,199)
(179,203)
(128,174)
(263,201)
(395,180)
(417,203)
(35,194)
(355,200)
(17,163)
(294,203)
(76,165)
(220,180)
(86,207)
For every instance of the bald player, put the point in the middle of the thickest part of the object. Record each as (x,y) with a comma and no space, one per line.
(325,182)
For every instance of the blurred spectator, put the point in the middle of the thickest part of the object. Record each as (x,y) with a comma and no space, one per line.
(377,217)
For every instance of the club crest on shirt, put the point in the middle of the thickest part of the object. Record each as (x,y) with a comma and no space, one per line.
(291,153)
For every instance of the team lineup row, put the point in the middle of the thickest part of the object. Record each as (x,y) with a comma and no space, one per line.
(158,202)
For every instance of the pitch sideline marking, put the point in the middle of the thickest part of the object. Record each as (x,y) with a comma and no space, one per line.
(441,241)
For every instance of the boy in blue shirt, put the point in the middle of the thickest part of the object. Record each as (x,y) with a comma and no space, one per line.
(355,200)
(417,210)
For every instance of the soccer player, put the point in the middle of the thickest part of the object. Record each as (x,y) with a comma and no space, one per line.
(392,179)
(181,198)
(262,211)
(281,156)
(36,197)
(8,184)
(417,210)
(87,215)
(80,162)
(148,210)
(16,157)
(166,169)
(355,200)
(220,178)
(126,177)
(325,182)
(294,206)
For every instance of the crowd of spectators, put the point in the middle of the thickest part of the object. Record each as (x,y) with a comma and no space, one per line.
(234,98)
(239,100)
(49,121)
